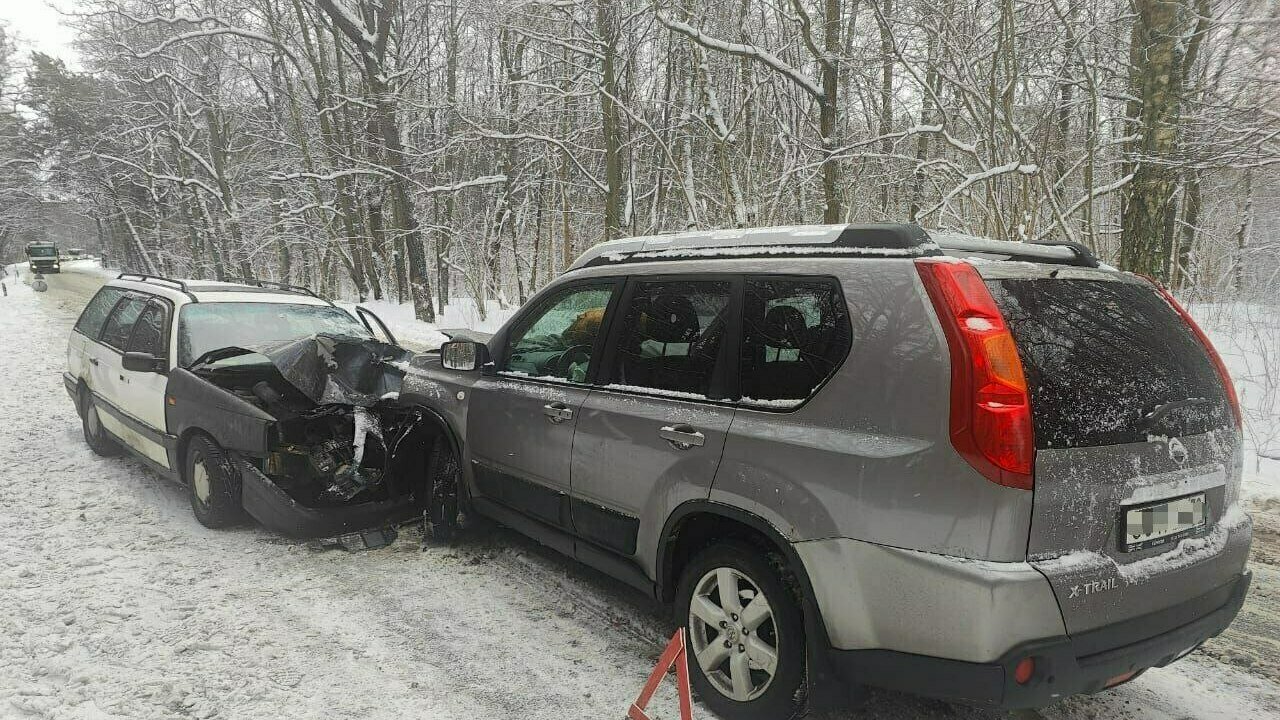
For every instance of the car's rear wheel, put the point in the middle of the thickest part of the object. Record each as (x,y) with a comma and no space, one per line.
(91,423)
(744,633)
(213,484)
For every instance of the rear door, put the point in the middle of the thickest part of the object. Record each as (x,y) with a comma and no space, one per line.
(83,345)
(1138,459)
(522,416)
(652,435)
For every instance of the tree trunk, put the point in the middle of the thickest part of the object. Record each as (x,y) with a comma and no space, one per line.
(1154,78)
(886,102)
(828,107)
(607,28)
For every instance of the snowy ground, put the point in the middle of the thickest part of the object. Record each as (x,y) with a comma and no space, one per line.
(115,603)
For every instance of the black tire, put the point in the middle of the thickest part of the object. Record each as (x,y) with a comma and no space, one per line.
(212,483)
(440,518)
(95,436)
(778,698)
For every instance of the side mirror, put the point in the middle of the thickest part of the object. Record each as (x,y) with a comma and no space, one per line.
(463,355)
(143,362)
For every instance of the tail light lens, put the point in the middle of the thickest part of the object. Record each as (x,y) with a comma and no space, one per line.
(990,407)
(1227,386)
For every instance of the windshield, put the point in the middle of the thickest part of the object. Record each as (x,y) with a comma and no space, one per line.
(42,251)
(211,326)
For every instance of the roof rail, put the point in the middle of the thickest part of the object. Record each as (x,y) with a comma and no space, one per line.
(866,240)
(158,279)
(1063,253)
(255,282)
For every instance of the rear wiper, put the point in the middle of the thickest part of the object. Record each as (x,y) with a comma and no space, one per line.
(1150,419)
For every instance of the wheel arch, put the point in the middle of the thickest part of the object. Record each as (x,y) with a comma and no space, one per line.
(178,463)
(697,521)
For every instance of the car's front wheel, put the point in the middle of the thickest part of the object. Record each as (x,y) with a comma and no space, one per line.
(91,423)
(213,484)
(744,633)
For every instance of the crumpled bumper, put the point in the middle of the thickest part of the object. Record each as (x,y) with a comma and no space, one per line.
(276,511)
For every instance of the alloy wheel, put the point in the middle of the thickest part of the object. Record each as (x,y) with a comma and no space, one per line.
(734,635)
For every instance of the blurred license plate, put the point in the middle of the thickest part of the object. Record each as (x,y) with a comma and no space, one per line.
(1165,521)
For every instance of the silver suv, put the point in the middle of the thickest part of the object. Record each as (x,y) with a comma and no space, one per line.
(984,471)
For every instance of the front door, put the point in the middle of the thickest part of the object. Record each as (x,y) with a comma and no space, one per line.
(651,436)
(522,416)
(118,394)
(141,394)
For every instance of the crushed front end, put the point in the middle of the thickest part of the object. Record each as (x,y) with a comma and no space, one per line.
(340,454)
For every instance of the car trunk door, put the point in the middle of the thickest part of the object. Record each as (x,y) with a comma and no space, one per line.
(1129,412)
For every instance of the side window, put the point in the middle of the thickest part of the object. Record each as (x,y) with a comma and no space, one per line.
(149,330)
(120,324)
(671,335)
(558,341)
(795,333)
(95,313)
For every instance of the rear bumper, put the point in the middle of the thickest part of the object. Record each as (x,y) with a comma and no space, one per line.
(273,507)
(1083,663)
(72,385)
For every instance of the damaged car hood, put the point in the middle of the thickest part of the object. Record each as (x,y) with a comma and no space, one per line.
(331,369)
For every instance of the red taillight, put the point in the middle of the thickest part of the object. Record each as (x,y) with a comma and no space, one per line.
(1228,386)
(990,407)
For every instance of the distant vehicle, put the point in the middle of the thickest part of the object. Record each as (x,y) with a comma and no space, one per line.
(995,472)
(43,257)
(75,252)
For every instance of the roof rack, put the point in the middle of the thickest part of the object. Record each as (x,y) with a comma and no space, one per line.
(1064,253)
(272,284)
(158,279)
(867,240)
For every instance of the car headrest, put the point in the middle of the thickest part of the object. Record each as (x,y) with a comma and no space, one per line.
(670,319)
(784,327)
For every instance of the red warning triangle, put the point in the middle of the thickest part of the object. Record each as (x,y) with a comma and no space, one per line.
(673,655)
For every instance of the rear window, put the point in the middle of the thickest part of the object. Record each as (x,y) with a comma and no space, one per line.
(1108,362)
(95,313)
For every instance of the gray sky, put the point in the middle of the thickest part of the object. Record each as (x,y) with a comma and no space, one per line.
(36,25)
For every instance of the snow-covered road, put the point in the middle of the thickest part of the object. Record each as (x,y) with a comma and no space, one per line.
(116,603)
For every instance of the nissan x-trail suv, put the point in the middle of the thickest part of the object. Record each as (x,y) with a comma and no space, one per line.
(985,471)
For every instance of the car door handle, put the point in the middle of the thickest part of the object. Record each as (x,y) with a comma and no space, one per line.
(557,412)
(682,437)
(93,362)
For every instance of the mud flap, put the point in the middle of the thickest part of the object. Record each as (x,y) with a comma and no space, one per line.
(276,511)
